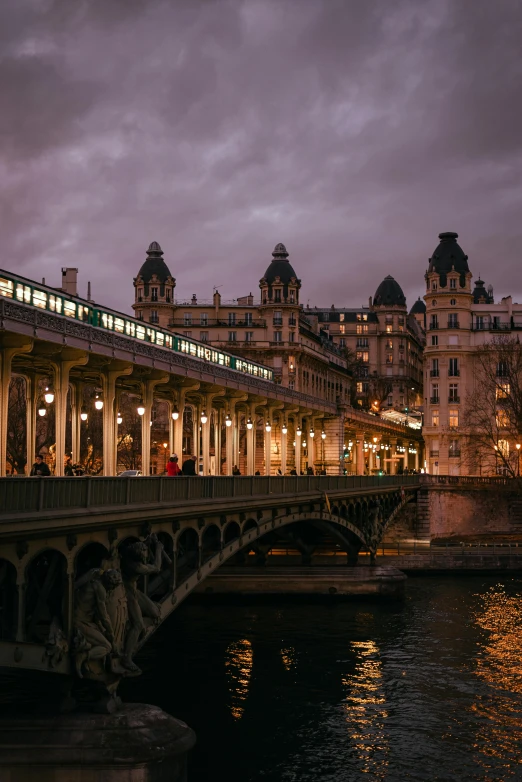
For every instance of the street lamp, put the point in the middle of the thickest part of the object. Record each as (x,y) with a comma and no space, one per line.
(311,433)
(284,429)
(175,413)
(228,420)
(323,435)
(141,408)
(204,418)
(42,409)
(517,446)
(119,418)
(249,424)
(268,427)
(49,396)
(298,431)
(83,414)
(98,402)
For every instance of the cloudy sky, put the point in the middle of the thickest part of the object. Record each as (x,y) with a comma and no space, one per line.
(354,131)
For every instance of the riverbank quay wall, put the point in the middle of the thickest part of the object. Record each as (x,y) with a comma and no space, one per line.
(455,507)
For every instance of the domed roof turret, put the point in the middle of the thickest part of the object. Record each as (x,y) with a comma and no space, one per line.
(419,308)
(481,294)
(389,294)
(448,256)
(154,264)
(280,266)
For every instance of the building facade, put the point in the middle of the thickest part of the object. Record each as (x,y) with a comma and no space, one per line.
(461,320)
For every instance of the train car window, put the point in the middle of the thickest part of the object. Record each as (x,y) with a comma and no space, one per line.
(160,338)
(107,321)
(140,332)
(55,304)
(40,299)
(85,313)
(69,308)
(6,288)
(23,293)
(168,341)
(130,328)
(119,325)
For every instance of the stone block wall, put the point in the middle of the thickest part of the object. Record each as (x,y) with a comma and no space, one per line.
(454,512)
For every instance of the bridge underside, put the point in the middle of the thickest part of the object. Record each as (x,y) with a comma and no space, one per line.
(38,572)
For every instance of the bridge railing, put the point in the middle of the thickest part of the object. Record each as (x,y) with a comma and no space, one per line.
(27,495)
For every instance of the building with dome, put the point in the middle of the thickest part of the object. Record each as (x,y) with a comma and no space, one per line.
(461,319)
(385,345)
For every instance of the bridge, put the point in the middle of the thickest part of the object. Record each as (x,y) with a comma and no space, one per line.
(229,413)
(61,537)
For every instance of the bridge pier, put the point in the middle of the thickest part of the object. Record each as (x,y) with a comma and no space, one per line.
(140,743)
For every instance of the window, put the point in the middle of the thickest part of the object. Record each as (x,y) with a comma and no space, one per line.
(139,293)
(154,294)
(434,393)
(433,286)
(341,328)
(453,302)
(434,322)
(389,329)
(342,342)
(232,336)
(434,339)
(248,318)
(362,356)
(452,321)
(231,318)
(361,328)
(453,284)
(389,358)
(292,297)
(203,335)
(278,318)
(496,321)
(341,317)
(277,295)
(359,387)
(454,392)
(278,336)
(502,369)
(203,319)
(390,401)
(434,372)
(187,333)
(291,384)
(453,417)
(187,319)
(453,367)
(502,419)
(503,391)
(154,316)
(249,336)
(401,321)
(292,337)
(362,316)
(434,417)
(362,342)
(389,344)
(454,448)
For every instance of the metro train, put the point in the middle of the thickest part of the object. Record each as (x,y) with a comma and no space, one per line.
(27,292)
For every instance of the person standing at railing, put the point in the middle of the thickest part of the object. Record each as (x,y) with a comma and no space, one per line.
(189,467)
(173,468)
(40,467)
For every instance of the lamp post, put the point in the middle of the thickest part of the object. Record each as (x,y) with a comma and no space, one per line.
(517,446)
(165,446)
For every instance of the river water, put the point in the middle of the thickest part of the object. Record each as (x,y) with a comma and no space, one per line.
(425,689)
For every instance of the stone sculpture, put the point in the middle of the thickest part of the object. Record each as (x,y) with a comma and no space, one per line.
(134,564)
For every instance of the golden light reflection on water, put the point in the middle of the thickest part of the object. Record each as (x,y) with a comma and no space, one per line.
(239,659)
(288,657)
(499,663)
(366,711)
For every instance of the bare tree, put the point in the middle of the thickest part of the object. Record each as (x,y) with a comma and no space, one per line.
(492,414)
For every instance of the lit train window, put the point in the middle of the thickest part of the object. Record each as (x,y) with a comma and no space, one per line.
(140,332)
(107,321)
(69,309)
(151,335)
(160,338)
(55,304)
(227,361)
(84,313)
(130,328)
(119,325)
(23,293)
(6,288)
(168,341)
(39,299)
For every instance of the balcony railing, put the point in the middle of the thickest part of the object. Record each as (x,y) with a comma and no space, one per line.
(454,453)
(434,453)
(434,400)
(434,325)
(258,323)
(277,321)
(434,372)
(454,373)
(453,324)
(454,399)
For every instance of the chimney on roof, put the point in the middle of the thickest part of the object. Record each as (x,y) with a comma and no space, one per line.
(70,281)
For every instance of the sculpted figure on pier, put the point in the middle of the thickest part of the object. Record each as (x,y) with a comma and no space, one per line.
(135,562)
